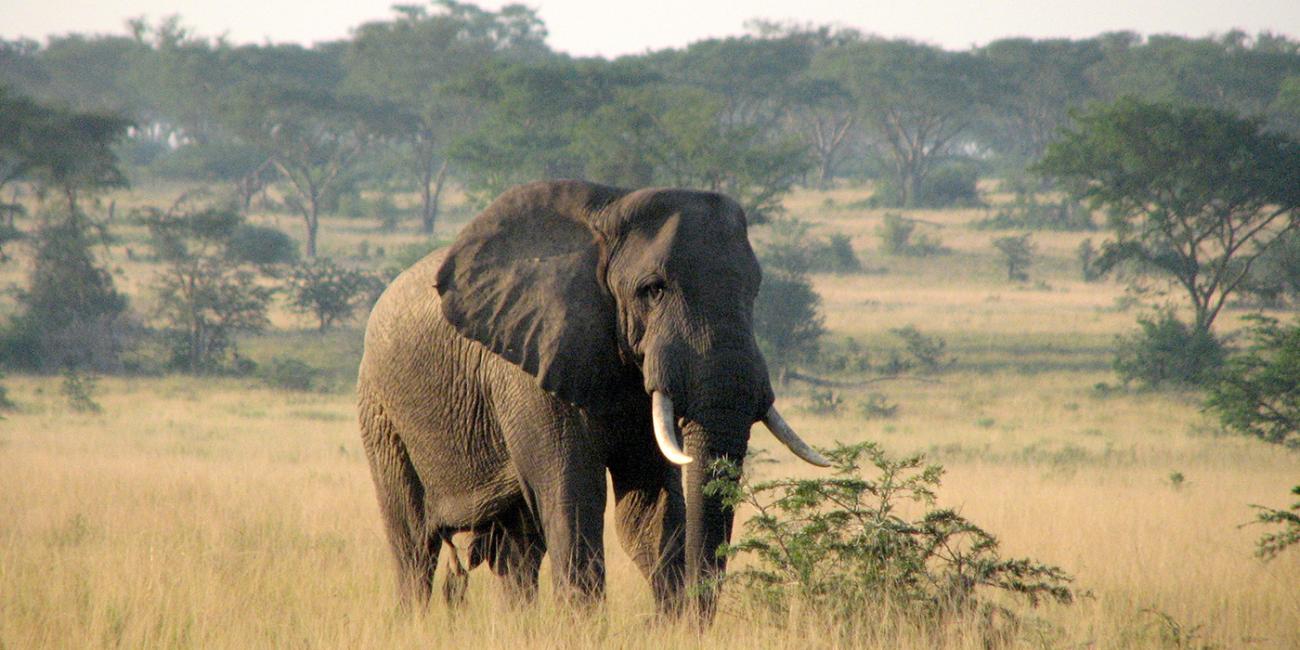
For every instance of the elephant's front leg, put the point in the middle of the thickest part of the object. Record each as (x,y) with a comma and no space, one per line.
(561,466)
(651,513)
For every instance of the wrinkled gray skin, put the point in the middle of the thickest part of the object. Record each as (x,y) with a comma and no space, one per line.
(502,379)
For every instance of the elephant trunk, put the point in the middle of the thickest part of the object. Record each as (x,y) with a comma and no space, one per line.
(708,519)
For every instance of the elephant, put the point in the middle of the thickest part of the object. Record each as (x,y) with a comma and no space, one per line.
(571,330)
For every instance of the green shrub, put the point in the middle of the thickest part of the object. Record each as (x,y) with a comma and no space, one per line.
(1270,544)
(787,318)
(836,255)
(898,236)
(1258,392)
(1087,257)
(875,406)
(793,248)
(70,315)
(79,389)
(6,404)
(1167,352)
(1026,212)
(261,245)
(824,402)
(841,549)
(946,186)
(329,292)
(211,285)
(924,352)
(289,373)
(1017,255)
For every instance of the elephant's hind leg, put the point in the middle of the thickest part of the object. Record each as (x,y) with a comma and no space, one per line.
(456,580)
(401,502)
(513,548)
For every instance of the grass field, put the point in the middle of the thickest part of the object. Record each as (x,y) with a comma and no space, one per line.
(202,512)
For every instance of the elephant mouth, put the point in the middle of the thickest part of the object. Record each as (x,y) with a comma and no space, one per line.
(670,445)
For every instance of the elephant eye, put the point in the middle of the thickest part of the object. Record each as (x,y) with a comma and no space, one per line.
(652,289)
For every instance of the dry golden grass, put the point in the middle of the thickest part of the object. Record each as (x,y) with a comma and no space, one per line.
(220,513)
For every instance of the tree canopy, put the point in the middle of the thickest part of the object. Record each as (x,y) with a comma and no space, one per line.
(1196,194)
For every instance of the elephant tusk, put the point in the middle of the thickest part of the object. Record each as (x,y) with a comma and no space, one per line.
(789,438)
(661,411)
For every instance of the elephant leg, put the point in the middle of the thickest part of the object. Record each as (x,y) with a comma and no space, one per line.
(572,516)
(559,461)
(455,583)
(650,513)
(513,549)
(401,503)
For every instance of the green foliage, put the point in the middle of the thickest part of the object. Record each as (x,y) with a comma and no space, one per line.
(876,407)
(689,139)
(793,248)
(1087,261)
(1274,278)
(787,312)
(70,314)
(1271,544)
(58,149)
(843,549)
(425,61)
(951,185)
(916,100)
(787,317)
(290,373)
(1017,255)
(925,353)
(1168,352)
(898,236)
(1028,211)
(6,404)
(1174,634)
(1192,194)
(209,289)
(329,292)
(216,161)
(261,246)
(1258,393)
(79,389)
(825,402)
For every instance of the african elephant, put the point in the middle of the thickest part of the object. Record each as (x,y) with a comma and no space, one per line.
(567,332)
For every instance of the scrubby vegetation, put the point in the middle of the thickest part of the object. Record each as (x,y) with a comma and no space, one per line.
(842,550)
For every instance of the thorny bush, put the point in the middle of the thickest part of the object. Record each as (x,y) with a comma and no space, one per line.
(842,548)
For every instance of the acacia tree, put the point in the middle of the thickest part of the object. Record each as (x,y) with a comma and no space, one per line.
(62,151)
(1191,193)
(1039,83)
(681,135)
(209,287)
(915,101)
(314,139)
(825,119)
(417,62)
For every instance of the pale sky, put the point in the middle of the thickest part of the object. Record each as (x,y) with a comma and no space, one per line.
(614,27)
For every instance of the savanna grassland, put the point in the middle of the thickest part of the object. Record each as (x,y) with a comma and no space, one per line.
(219,512)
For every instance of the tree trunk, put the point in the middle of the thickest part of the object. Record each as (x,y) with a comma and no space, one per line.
(313,226)
(431,198)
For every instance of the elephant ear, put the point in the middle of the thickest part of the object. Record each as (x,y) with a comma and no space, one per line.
(525,279)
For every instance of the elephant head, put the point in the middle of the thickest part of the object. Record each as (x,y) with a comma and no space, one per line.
(606,295)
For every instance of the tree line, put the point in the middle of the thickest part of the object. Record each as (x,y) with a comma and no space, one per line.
(449,92)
